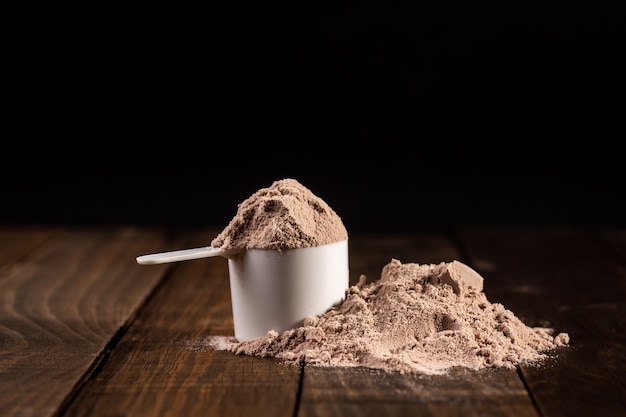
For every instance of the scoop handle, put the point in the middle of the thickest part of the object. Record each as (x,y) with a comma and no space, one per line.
(184,254)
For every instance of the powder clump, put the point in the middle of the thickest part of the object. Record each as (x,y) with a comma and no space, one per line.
(418,318)
(285,215)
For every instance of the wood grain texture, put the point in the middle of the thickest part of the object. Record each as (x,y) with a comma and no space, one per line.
(61,306)
(17,242)
(562,278)
(363,392)
(163,365)
(85,331)
(589,378)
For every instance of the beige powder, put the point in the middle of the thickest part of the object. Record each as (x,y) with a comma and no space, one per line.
(285,215)
(419,318)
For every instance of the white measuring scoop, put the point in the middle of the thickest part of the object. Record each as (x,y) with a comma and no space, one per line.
(272,289)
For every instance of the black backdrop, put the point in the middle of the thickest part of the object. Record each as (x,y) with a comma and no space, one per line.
(400,117)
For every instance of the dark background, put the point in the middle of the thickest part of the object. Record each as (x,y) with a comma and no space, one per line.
(400,117)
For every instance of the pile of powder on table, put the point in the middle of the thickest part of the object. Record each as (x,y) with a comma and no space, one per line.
(419,318)
(285,215)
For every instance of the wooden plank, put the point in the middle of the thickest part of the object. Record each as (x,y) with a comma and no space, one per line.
(16,242)
(561,278)
(590,377)
(61,306)
(363,392)
(599,339)
(163,365)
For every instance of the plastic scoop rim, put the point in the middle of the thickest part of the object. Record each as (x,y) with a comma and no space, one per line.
(185,254)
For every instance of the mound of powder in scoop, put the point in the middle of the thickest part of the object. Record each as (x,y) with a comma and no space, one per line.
(285,215)
(419,318)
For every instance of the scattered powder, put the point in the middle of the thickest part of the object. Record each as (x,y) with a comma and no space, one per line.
(285,215)
(418,318)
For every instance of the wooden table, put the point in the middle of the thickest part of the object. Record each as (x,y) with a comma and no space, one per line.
(86,331)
